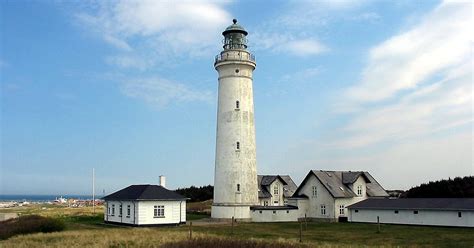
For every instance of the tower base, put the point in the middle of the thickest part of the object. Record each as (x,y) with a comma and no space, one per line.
(226,212)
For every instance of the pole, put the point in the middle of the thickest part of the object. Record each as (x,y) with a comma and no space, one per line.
(301,231)
(305,223)
(190,230)
(232,230)
(378,224)
(93,190)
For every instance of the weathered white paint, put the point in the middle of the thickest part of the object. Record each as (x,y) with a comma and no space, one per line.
(424,217)
(235,166)
(275,199)
(323,197)
(141,212)
(275,215)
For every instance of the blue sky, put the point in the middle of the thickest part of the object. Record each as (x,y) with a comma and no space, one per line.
(129,88)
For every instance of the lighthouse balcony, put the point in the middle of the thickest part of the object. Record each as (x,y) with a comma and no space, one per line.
(234,55)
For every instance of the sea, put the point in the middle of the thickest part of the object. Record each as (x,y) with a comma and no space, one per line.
(42,198)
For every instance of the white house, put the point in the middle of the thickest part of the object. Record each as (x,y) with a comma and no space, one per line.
(145,205)
(325,195)
(274,190)
(415,211)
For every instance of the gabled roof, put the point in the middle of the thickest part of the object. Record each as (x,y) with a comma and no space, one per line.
(416,203)
(264,181)
(144,192)
(337,182)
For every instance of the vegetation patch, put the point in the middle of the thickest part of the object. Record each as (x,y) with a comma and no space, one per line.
(228,243)
(29,224)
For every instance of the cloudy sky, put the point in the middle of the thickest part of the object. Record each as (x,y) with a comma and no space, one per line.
(129,88)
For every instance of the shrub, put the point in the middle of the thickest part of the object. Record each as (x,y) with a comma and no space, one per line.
(29,224)
(228,243)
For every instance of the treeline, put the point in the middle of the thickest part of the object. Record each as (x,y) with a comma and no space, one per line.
(197,194)
(451,188)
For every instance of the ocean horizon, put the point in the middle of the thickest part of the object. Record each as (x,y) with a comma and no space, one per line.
(44,198)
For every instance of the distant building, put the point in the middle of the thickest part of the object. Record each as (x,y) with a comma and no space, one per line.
(325,195)
(415,211)
(274,190)
(145,205)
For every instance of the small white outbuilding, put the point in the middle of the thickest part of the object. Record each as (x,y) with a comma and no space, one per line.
(415,211)
(145,205)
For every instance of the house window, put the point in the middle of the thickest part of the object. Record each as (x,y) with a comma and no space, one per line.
(359,190)
(341,209)
(459,214)
(396,211)
(275,203)
(238,187)
(265,203)
(159,212)
(128,210)
(238,145)
(120,210)
(108,210)
(275,189)
(323,210)
(357,210)
(415,212)
(113,209)
(237,105)
(315,191)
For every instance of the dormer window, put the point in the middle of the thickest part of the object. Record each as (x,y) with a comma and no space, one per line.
(359,190)
(276,189)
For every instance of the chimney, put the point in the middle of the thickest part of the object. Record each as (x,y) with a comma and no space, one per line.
(163,181)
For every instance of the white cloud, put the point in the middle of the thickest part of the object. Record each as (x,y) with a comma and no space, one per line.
(129,61)
(160,92)
(306,47)
(159,30)
(405,61)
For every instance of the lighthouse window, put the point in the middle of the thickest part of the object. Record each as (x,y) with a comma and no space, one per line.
(238,187)
(237,71)
(237,104)
(238,145)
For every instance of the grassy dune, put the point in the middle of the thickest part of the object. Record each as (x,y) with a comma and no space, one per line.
(84,229)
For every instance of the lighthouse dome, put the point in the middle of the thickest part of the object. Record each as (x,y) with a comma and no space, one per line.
(234,28)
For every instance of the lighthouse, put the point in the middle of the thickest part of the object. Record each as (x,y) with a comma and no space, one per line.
(235,177)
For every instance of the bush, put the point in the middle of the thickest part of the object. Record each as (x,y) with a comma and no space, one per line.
(29,224)
(228,243)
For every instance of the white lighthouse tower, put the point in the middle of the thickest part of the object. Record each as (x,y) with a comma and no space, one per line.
(235,178)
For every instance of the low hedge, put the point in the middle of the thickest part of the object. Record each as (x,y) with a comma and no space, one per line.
(29,224)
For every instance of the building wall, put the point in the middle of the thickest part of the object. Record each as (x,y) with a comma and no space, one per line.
(424,217)
(275,215)
(175,212)
(349,201)
(235,166)
(314,203)
(141,212)
(277,199)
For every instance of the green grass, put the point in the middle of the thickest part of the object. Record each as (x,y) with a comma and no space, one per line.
(196,216)
(84,228)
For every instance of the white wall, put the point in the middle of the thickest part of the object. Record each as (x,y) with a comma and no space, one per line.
(349,201)
(275,215)
(234,166)
(314,203)
(424,217)
(141,212)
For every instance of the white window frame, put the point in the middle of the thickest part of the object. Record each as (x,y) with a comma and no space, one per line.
(276,189)
(359,190)
(341,209)
(315,191)
(323,209)
(120,210)
(128,210)
(158,211)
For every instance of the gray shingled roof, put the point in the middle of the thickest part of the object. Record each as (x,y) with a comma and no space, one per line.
(144,192)
(289,187)
(416,203)
(337,183)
